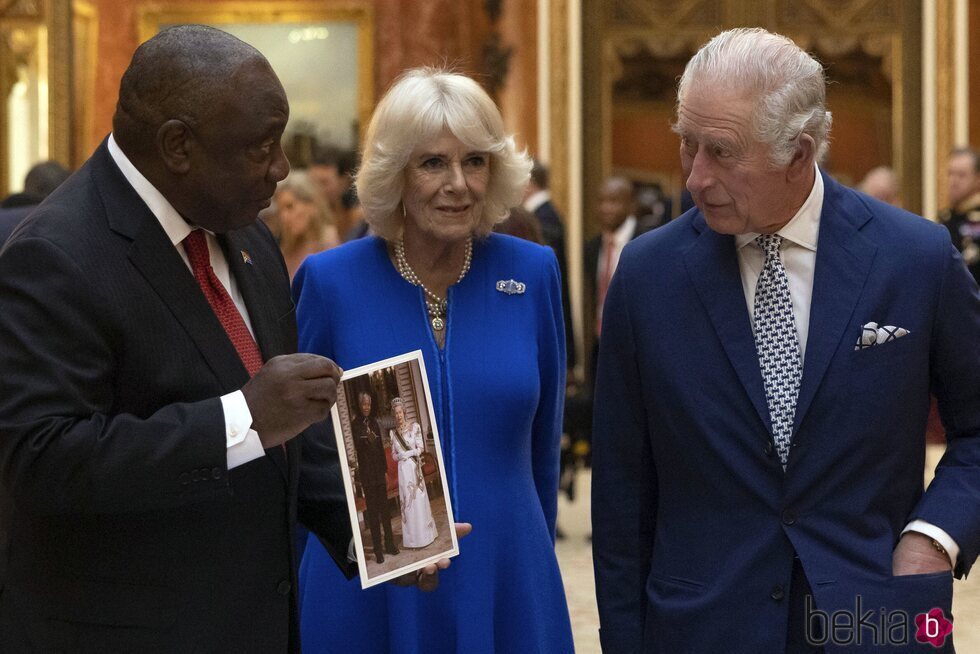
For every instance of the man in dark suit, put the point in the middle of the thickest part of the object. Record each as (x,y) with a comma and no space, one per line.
(616,211)
(41,180)
(763,392)
(538,201)
(372,466)
(962,218)
(150,403)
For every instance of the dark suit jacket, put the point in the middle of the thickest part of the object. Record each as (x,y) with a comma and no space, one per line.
(10,218)
(128,532)
(553,231)
(371,461)
(695,524)
(590,259)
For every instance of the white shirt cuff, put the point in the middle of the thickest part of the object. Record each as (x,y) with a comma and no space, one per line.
(351,554)
(242,441)
(937,534)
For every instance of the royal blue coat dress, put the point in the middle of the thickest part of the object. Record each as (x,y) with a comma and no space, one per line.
(497,390)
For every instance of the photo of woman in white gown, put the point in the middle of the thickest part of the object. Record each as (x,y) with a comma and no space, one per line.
(418,527)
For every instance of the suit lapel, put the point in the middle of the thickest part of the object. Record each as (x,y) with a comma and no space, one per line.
(712,265)
(155,257)
(844,259)
(255,290)
(157,260)
(257,293)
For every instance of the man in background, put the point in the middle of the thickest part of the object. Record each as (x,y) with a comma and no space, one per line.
(577,421)
(764,380)
(537,200)
(616,211)
(962,218)
(332,170)
(41,180)
(881,183)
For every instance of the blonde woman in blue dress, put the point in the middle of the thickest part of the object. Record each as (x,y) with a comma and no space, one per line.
(418,527)
(439,170)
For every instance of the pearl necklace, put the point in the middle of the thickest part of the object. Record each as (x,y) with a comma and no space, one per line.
(435,305)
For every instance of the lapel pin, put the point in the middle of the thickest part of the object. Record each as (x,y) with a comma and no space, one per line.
(511,287)
(246,257)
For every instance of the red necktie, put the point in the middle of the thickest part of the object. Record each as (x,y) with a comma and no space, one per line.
(604,279)
(196,246)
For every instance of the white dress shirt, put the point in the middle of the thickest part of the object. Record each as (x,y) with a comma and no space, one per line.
(622,236)
(536,199)
(242,442)
(799,254)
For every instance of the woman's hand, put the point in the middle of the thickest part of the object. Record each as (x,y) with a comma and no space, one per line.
(427,578)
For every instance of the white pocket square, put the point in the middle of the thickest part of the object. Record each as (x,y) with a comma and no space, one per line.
(872,334)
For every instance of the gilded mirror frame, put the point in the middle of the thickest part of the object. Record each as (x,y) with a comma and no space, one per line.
(151,16)
(895,26)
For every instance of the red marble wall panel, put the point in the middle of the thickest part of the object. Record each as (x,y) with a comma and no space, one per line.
(407,33)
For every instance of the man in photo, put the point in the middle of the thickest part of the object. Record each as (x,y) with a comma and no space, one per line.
(372,464)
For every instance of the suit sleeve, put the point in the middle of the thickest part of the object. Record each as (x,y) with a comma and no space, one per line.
(63,448)
(546,429)
(322,501)
(624,478)
(952,501)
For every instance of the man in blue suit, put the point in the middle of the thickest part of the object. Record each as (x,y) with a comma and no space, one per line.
(763,391)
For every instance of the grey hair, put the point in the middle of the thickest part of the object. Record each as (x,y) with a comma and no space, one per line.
(788,84)
(416,109)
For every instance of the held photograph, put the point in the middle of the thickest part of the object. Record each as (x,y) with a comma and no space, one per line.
(394,475)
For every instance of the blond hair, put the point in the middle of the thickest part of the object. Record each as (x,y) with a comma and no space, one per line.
(418,107)
(298,183)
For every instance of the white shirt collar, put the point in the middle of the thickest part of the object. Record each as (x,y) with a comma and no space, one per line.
(625,231)
(804,227)
(535,200)
(172,222)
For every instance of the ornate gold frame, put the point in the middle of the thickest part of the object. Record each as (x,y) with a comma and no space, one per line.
(70,87)
(85,35)
(151,16)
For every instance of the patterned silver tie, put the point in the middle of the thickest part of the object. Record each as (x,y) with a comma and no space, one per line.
(777,344)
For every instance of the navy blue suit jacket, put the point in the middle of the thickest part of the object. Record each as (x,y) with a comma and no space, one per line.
(695,522)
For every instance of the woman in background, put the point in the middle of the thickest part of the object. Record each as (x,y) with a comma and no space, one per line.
(438,172)
(304,222)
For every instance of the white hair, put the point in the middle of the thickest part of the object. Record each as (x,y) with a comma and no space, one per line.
(418,107)
(787,83)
